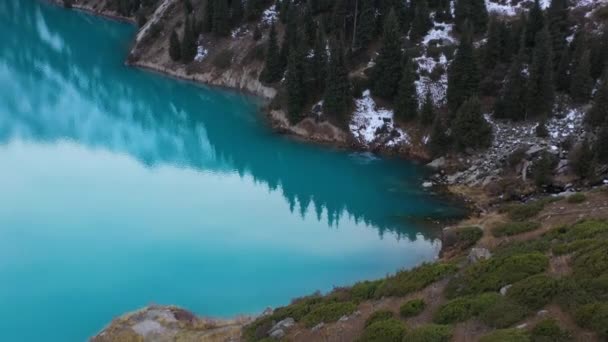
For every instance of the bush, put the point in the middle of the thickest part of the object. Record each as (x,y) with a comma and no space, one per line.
(549,331)
(522,212)
(430,333)
(328,312)
(534,292)
(504,313)
(540,245)
(462,237)
(390,330)
(223,60)
(412,308)
(514,228)
(405,282)
(506,335)
(463,308)
(595,317)
(494,273)
(298,308)
(577,198)
(364,290)
(377,316)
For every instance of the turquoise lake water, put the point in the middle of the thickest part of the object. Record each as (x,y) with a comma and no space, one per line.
(120,188)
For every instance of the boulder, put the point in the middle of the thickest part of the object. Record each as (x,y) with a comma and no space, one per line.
(282,326)
(437,163)
(504,289)
(318,326)
(277,334)
(478,253)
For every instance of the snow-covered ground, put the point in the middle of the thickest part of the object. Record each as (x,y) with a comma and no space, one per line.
(201,53)
(514,7)
(371,125)
(270,15)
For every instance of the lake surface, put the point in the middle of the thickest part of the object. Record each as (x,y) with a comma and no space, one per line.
(121,188)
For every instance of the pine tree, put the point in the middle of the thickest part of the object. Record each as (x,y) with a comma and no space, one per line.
(237,12)
(175,49)
(540,84)
(422,22)
(463,75)
(493,48)
(188,41)
(599,54)
(406,103)
(534,24)
(294,79)
(557,17)
(221,22)
(427,113)
(208,16)
(366,25)
(318,69)
(600,147)
(598,113)
(582,82)
(511,102)
(273,70)
(337,98)
(470,128)
(562,74)
(581,159)
(471,12)
(290,39)
(543,169)
(439,142)
(310,27)
(387,71)
(338,23)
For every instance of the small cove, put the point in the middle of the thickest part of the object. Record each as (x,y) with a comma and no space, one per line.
(122,188)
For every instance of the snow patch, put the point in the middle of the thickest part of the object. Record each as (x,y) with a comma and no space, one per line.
(440,32)
(201,53)
(370,124)
(270,15)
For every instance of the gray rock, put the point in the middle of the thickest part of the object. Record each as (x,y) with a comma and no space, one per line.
(504,289)
(427,184)
(534,150)
(437,163)
(478,253)
(344,318)
(522,326)
(318,326)
(542,312)
(277,334)
(282,325)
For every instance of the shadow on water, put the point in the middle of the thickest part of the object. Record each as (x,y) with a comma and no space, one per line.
(175,123)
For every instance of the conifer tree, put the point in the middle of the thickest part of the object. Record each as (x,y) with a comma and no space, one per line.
(339,17)
(366,25)
(562,74)
(557,17)
(543,169)
(540,84)
(599,54)
(237,12)
(470,129)
(511,102)
(188,41)
(471,12)
(600,147)
(273,70)
(387,71)
(208,16)
(310,27)
(406,103)
(221,21)
(427,113)
(318,69)
(581,159)
(337,98)
(582,83)
(295,85)
(439,142)
(290,39)
(598,113)
(463,75)
(534,24)
(493,48)
(422,22)
(175,49)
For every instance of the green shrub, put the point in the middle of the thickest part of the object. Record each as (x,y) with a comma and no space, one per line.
(463,308)
(328,312)
(223,60)
(364,290)
(299,308)
(592,261)
(390,330)
(466,237)
(588,229)
(412,308)
(534,292)
(549,331)
(258,329)
(522,212)
(504,313)
(405,282)
(377,316)
(595,317)
(506,335)
(494,273)
(514,228)
(571,247)
(540,245)
(430,333)
(577,198)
